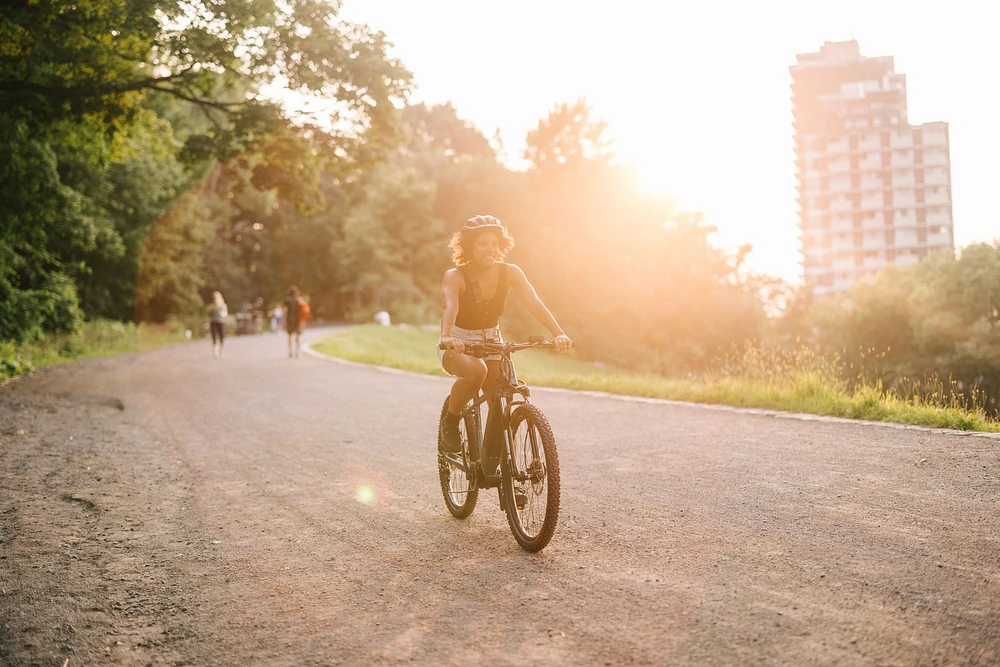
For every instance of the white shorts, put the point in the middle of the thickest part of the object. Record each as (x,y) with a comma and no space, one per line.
(476,336)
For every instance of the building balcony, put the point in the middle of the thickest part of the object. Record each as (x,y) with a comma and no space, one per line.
(934,134)
(840,183)
(936,176)
(871,182)
(873,222)
(935,158)
(838,146)
(872,202)
(901,139)
(903,161)
(817,270)
(939,219)
(839,166)
(870,142)
(940,198)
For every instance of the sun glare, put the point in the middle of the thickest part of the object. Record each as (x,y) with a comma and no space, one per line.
(365,494)
(653,178)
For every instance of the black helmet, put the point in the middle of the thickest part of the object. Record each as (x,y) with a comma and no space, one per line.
(481,222)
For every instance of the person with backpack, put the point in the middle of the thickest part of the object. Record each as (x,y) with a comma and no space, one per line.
(295,316)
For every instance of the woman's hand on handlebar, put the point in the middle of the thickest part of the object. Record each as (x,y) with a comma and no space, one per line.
(562,343)
(451,343)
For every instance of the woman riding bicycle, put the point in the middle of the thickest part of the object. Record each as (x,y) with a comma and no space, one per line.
(474,296)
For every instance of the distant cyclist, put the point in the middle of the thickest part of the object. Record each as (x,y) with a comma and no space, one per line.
(478,251)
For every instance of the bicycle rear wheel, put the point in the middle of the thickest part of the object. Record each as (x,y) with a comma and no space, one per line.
(531,479)
(459,490)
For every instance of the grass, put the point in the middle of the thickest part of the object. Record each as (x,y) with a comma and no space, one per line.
(99,338)
(799,381)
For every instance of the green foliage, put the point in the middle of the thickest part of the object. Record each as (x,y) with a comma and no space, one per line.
(799,380)
(171,272)
(68,60)
(93,167)
(566,136)
(96,338)
(45,228)
(12,362)
(389,244)
(936,318)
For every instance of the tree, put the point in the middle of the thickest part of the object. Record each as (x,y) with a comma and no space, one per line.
(78,77)
(567,135)
(391,242)
(631,277)
(99,58)
(44,227)
(938,317)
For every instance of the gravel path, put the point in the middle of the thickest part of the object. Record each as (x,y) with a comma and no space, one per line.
(170,509)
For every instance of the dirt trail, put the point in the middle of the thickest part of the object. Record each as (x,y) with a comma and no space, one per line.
(169,509)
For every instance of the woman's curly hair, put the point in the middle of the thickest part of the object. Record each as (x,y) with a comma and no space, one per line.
(461,243)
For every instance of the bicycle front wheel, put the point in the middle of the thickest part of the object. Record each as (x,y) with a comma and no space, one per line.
(531,479)
(460,492)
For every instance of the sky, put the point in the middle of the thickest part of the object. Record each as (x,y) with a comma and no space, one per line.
(697,93)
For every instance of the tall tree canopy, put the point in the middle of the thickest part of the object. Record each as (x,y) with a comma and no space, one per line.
(92,167)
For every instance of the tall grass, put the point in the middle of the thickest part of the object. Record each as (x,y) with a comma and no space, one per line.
(798,380)
(805,380)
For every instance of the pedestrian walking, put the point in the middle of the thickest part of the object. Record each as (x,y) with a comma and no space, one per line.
(218,312)
(295,316)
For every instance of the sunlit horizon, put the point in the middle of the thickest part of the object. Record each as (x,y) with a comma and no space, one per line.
(698,96)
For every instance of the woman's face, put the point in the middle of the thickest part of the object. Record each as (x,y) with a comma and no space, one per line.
(485,249)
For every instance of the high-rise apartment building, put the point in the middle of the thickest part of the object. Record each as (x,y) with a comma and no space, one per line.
(873,189)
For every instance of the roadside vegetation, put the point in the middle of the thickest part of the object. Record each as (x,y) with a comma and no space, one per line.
(100,338)
(798,381)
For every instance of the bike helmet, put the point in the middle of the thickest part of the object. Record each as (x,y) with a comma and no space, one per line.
(481,222)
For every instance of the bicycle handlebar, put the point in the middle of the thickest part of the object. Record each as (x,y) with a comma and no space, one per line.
(473,348)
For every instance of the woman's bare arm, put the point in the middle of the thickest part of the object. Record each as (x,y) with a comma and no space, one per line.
(451,289)
(536,307)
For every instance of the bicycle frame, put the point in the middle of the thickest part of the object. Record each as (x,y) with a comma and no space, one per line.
(501,403)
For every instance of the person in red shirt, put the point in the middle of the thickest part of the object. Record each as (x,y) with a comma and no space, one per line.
(294,320)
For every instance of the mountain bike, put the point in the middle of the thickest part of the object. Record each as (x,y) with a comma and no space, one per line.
(515,453)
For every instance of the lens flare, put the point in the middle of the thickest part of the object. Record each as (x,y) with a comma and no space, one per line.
(365,494)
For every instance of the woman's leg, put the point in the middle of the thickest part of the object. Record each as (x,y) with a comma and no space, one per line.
(215,339)
(471,373)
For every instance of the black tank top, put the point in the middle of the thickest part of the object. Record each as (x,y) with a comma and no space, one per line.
(468,312)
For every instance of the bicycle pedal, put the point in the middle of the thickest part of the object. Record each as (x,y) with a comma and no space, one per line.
(520,499)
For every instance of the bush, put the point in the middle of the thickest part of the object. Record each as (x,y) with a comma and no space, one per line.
(11,361)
